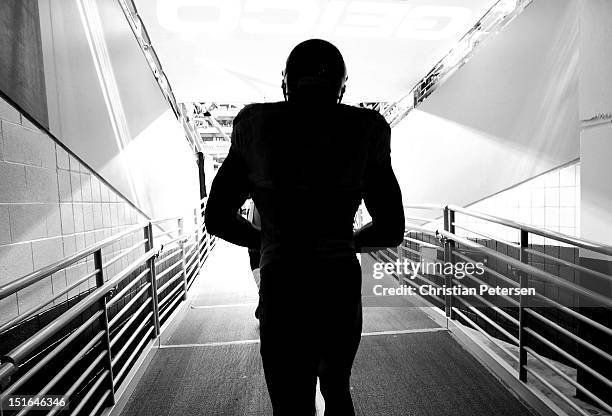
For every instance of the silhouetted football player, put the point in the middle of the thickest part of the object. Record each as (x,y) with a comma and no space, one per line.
(308,162)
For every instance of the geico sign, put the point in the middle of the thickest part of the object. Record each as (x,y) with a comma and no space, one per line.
(295,17)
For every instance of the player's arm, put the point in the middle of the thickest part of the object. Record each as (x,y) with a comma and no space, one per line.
(228,192)
(383,199)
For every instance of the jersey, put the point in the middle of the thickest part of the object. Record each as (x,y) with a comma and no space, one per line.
(307,169)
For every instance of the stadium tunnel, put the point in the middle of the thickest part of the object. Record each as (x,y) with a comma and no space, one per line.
(116,115)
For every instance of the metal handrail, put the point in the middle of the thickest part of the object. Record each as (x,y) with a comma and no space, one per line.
(564,238)
(430,206)
(568,334)
(508,298)
(489,337)
(29,279)
(178,239)
(162,220)
(454,247)
(130,321)
(528,268)
(21,317)
(118,355)
(127,287)
(422,243)
(492,323)
(488,269)
(50,356)
(16,355)
(583,243)
(569,357)
(417,218)
(124,253)
(485,235)
(568,380)
(141,291)
(569,264)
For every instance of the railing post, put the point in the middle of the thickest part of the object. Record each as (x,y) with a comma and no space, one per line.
(202,238)
(148,232)
(197,237)
(182,247)
(524,282)
(400,259)
(449,245)
(98,265)
(207,242)
(203,228)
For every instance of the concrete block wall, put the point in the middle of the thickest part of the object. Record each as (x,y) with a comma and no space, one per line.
(550,201)
(50,207)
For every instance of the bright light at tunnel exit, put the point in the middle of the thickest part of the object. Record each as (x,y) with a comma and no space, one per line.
(365,19)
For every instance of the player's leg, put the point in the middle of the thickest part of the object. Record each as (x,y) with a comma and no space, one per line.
(341,335)
(288,352)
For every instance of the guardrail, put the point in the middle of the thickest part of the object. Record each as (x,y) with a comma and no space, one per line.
(84,354)
(564,321)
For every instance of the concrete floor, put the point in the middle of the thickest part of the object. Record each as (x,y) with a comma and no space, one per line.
(406,364)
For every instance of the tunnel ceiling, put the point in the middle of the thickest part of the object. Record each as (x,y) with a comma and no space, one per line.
(234,50)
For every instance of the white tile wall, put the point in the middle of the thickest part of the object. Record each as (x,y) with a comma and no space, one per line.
(550,201)
(5,226)
(50,207)
(13,183)
(16,261)
(8,113)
